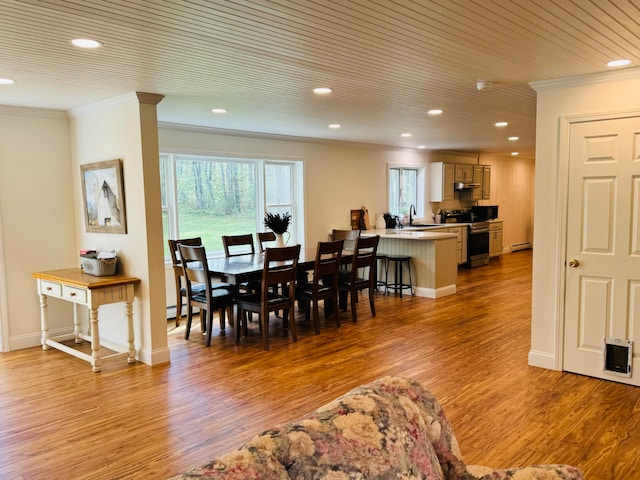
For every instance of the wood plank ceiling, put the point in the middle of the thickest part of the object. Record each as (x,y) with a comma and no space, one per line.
(387,61)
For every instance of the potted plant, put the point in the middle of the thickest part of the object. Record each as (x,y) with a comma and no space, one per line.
(279,224)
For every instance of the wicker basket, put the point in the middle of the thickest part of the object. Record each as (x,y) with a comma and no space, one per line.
(100,267)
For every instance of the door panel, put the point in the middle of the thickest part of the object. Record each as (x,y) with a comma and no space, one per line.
(602,276)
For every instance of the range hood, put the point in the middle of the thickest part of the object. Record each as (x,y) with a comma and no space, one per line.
(465,186)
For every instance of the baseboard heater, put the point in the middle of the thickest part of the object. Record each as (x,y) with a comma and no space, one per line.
(520,246)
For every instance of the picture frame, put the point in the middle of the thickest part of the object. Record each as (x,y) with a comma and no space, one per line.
(103,195)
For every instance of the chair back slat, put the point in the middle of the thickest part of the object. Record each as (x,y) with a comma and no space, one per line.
(265,237)
(328,258)
(235,245)
(364,254)
(194,261)
(280,266)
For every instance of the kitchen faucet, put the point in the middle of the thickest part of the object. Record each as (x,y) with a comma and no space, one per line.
(412,208)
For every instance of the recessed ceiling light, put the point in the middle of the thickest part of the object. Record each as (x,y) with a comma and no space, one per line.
(322,90)
(86,43)
(501,124)
(435,111)
(6,81)
(513,139)
(618,63)
(405,135)
(514,154)
(218,110)
(422,147)
(334,125)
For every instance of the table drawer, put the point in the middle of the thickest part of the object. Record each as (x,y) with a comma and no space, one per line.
(50,288)
(77,295)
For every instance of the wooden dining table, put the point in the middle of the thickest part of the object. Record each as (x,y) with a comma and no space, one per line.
(243,268)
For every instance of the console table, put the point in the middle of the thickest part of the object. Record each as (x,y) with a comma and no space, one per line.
(73,285)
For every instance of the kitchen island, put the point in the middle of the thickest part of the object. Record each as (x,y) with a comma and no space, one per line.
(434,265)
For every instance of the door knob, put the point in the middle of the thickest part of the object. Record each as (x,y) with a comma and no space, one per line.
(573,263)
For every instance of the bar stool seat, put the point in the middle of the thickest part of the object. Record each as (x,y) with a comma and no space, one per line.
(398,285)
(382,257)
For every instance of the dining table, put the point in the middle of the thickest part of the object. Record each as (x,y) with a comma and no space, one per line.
(244,268)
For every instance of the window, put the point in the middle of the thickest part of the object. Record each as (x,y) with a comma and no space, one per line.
(204,196)
(406,188)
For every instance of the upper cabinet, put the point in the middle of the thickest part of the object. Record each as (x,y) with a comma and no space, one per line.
(463,173)
(442,176)
(486,182)
(481,176)
(441,179)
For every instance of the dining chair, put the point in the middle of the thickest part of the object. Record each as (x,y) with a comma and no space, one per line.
(196,271)
(280,269)
(238,244)
(361,276)
(324,285)
(349,237)
(178,272)
(264,238)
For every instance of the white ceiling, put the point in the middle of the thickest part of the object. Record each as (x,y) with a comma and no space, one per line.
(388,62)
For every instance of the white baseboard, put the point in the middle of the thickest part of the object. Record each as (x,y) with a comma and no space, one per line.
(435,292)
(542,359)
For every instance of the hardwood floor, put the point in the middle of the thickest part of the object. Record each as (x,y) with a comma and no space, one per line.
(60,421)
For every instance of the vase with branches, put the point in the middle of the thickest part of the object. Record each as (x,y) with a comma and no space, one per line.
(279,224)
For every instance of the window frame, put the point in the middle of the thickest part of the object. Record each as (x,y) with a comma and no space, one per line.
(420,187)
(169,192)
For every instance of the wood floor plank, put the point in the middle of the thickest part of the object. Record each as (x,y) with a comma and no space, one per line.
(60,421)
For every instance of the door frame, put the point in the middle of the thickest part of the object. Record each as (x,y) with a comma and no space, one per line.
(4,317)
(565,123)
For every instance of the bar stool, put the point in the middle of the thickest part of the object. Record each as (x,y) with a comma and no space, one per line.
(382,257)
(398,285)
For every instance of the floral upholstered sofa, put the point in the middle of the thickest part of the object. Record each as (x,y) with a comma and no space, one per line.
(391,428)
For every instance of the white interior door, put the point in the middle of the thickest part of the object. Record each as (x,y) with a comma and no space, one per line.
(602,297)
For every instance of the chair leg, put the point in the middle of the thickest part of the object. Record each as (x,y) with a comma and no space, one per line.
(354,301)
(264,326)
(291,313)
(335,310)
(316,322)
(373,308)
(187,330)
(208,314)
(178,308)
(223,320)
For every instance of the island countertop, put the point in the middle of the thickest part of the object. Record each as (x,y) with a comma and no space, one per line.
(406,234)
(433,253)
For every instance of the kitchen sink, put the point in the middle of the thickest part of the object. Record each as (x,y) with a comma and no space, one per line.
(424,225)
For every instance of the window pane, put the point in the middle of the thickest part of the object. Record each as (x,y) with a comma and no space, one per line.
(409,189)
(277,184)
(215,199)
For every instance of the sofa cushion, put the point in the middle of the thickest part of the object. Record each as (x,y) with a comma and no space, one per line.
(367,433)
(247,463)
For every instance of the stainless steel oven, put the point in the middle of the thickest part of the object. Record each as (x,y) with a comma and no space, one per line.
(478,244)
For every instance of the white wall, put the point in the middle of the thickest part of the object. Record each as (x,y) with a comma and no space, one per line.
(125,128)
(596,94)
(338,176)
(38,218)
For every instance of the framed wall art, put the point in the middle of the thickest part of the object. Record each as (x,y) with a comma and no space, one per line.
(103,193)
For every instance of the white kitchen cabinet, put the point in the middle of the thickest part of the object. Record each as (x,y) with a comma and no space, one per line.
(441,178)
(495,238)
